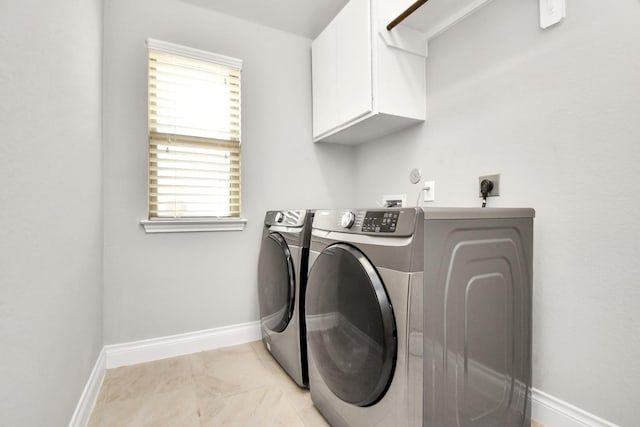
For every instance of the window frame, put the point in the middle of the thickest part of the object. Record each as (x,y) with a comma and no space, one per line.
(189,224)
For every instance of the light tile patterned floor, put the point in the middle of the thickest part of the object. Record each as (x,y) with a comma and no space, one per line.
(235,386)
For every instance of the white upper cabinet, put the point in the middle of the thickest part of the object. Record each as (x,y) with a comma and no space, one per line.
(341,68)
(324,66)
(368,82)
(365,84)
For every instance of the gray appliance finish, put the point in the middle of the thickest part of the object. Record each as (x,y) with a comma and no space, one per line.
(477,317)
(282,272)
(421,318)
(364,316)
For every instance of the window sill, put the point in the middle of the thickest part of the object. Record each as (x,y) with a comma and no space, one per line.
(187,225)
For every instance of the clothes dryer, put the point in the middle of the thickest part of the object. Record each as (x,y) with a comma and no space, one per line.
(364,316)
(421,318)
(477,317)
(282,272)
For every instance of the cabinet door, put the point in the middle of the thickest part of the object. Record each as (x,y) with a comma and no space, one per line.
(323,72)
(353,57)
(341,69)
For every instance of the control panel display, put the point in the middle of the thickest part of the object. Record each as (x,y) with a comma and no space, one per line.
(380,221)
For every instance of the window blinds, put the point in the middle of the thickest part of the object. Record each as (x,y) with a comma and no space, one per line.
(194,133)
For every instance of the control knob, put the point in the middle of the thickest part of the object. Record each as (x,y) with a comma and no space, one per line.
(347,220)
(279,217)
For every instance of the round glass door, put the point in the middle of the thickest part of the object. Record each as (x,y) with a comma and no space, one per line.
(276,283)
(350,325)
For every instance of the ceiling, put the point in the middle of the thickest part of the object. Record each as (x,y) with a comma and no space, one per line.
(306,18)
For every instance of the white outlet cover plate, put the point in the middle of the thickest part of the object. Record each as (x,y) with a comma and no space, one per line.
(552,12)
(429,191)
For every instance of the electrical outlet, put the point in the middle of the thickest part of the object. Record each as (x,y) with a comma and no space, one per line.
(552,12)
(429,191)
(495,191)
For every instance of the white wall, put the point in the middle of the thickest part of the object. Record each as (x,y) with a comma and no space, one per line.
(557,114)
(158,285)
(51,207)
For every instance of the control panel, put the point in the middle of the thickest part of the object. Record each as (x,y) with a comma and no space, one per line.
(380,221)
(285,218)
(386,222)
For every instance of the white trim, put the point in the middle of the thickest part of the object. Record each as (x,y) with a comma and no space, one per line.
(87,401)
(190,52)
(546,409)
(184,225)
(405,39)
(551,411)
(112,356)
(178,345)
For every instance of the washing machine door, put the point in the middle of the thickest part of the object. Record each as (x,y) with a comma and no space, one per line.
(350,325)
(276,283)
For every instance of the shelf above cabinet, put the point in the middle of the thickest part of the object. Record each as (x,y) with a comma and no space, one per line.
(436,16)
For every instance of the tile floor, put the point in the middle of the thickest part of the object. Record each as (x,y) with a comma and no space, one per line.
(235,386)
(239,386)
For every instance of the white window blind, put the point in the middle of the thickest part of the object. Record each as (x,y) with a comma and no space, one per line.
(194,133)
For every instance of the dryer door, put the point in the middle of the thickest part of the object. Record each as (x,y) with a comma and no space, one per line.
(276,283)
(350,325)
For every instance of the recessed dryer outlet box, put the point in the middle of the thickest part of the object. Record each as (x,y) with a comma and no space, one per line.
(394,200)
(495,191)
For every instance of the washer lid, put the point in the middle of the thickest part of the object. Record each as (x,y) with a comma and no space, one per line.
(350,325)
(276,283)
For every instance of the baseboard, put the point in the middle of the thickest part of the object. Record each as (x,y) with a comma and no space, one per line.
(81,415)
(546,409)
(113,356)
(178,345)
(551,412)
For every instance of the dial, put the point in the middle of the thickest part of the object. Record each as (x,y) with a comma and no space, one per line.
(347,220)
(279,217)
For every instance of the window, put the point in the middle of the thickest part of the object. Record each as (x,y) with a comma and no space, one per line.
(194,136)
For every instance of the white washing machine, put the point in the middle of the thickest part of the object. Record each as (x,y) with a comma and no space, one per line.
(364,316)
(282,272)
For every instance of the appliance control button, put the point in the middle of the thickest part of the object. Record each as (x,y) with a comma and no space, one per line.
(347,220)
(279,217)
